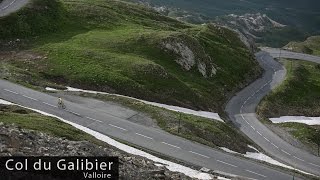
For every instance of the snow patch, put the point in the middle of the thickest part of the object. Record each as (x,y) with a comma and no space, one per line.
(253,148)
(51,89)
(265,158)
(5,102)
(228,150)
(174,167)
(297,119)
(205,114)
(262,157)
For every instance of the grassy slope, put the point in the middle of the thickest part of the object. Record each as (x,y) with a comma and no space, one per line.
(115,46)
(310,46)
(299,95)
(30,120)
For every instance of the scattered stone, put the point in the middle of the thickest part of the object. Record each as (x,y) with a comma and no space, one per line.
(20,142)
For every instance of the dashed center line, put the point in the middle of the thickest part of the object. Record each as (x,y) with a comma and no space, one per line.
(298,158)
(266,139)
(144,136)
(73,112)
(94,119)
(30,98)
(285,152)
(171,145)
(8,5)
(259,133)
(256,173)
(314,164)
(199,154)
(227,163)
(10,91)
(49,104)
(275,146)
(118,127)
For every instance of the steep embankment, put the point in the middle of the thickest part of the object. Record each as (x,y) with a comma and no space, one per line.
(124,48)
(33,138)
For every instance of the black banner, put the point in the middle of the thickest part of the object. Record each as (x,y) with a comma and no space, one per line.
(59,168)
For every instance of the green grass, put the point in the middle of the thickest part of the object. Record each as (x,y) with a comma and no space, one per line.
(299,95)
(209,132)
(309,46)
(116,47)
(27,119)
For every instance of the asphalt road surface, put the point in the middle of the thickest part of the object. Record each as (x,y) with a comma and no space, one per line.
(113,125)
(241,111)
(9,6)
(147,137)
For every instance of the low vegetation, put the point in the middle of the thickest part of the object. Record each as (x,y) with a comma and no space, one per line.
(309,46)
(299,95)
(120,47)
(28,119)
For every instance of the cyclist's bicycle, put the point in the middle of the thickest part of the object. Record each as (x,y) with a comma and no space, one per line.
(61,105)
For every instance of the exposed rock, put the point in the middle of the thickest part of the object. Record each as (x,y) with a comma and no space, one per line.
(15,141)
(189,54)
(249,26)
(186,59)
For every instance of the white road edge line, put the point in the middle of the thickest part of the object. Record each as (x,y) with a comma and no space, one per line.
(30,98)
(144,136)
(298,158)
(10,91)
(49,104)
(118,127)
(227,163)
(171,145)
(93,119)
(199,154)
(256,173)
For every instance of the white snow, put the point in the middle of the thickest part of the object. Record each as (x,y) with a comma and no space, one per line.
(228,150)
(265,158)
(262,157)
(5,102)
(51,89)
(158,161)
(297,119)
(205,114)
(253,148)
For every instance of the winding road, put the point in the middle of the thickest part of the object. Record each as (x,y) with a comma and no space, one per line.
(241,111)
(115,123)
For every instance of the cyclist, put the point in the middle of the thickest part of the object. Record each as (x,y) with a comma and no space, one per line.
(60,103)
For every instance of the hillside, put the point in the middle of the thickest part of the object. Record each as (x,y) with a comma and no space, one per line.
(301,17)
(309,46)
(124,48)
(297,96)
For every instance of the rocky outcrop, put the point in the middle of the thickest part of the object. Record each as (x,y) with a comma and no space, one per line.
(190,54)
(20,142)
(249,25)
